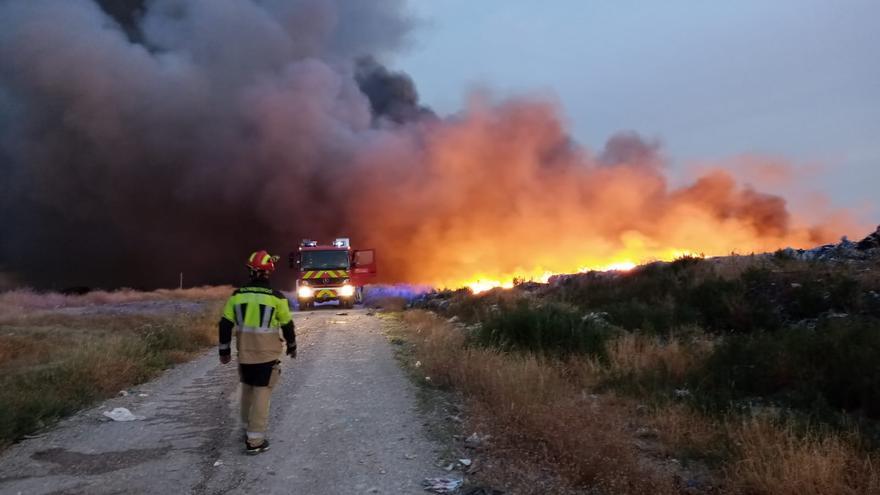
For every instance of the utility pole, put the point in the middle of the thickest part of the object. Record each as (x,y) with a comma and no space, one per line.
(181,280)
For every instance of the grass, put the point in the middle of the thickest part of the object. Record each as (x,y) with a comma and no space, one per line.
(777,459)
(645,365)
(801,335)
(55,362)
(15,302)
(760,370)
(536,414)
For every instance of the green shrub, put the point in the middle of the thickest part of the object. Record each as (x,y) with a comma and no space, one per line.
(550,328)
(831,367)
(636,315)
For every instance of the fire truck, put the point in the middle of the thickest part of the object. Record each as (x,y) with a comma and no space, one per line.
(333,272)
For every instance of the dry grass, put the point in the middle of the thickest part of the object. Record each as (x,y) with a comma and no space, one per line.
(53,363)
(773,459)
(536,412)
(685,433)
(634,354)
(766,456)
(545,422)
(16,301)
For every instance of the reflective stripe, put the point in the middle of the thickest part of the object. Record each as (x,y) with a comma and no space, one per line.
(223,347)
(267,316)
(238,317)
(245,329)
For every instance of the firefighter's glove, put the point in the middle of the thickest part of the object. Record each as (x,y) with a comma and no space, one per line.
(291,351)
(225,354)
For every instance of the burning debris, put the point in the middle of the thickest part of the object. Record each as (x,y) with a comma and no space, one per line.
(143,139)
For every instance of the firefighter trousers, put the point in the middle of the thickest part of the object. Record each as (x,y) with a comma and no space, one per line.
(255,408)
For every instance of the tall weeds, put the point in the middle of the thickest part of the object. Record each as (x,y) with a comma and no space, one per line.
(531,406)
(52,364)
(15,302)
(541,407)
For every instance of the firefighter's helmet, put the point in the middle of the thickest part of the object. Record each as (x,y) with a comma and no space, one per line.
(262,261)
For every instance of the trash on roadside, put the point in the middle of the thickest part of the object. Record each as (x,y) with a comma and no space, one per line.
(341,314)
(123,393)
(122,414)
(442,485)
(476,440)
(465,462)
(143,395)
(218,463)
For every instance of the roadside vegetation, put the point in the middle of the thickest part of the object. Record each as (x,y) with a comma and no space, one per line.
(747,375)
(60,353)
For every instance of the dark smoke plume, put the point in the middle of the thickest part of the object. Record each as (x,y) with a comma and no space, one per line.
(127,13)
(226,127)
(392,95)
(141,139)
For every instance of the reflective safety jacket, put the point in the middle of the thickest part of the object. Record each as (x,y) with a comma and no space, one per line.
(260,315)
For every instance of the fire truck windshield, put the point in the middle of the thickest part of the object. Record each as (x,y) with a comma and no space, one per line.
(324,260)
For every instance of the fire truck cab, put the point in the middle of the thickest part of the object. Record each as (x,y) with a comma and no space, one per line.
(333,272)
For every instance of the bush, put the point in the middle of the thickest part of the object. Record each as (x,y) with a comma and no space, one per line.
(639,315)
(832,367)
(550,328)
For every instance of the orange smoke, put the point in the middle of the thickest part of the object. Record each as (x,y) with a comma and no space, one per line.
(502,192)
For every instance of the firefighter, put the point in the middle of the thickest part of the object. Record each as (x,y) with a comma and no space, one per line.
(257,313)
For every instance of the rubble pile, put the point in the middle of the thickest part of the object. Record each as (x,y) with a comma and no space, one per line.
(867,248)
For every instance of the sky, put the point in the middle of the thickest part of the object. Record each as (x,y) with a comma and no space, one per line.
(793,79)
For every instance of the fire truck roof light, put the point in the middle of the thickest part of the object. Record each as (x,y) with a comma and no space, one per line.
(308,243)
(342,242)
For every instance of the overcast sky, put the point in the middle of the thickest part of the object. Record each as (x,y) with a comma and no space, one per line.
(798,79)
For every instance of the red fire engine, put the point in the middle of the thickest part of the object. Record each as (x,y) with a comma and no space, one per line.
(332,272)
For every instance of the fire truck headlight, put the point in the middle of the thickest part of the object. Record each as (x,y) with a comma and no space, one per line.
(346,290)
(305,292)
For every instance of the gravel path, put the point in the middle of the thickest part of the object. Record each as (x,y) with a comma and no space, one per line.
(344,421)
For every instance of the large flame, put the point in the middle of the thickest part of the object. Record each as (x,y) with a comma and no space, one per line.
(502,193)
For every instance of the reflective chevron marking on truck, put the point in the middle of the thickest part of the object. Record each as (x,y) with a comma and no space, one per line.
(325,274)
(324,293)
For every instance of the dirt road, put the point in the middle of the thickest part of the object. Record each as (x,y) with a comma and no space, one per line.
(343,421)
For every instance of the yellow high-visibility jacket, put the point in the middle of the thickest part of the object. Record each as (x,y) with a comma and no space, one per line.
(259,315)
